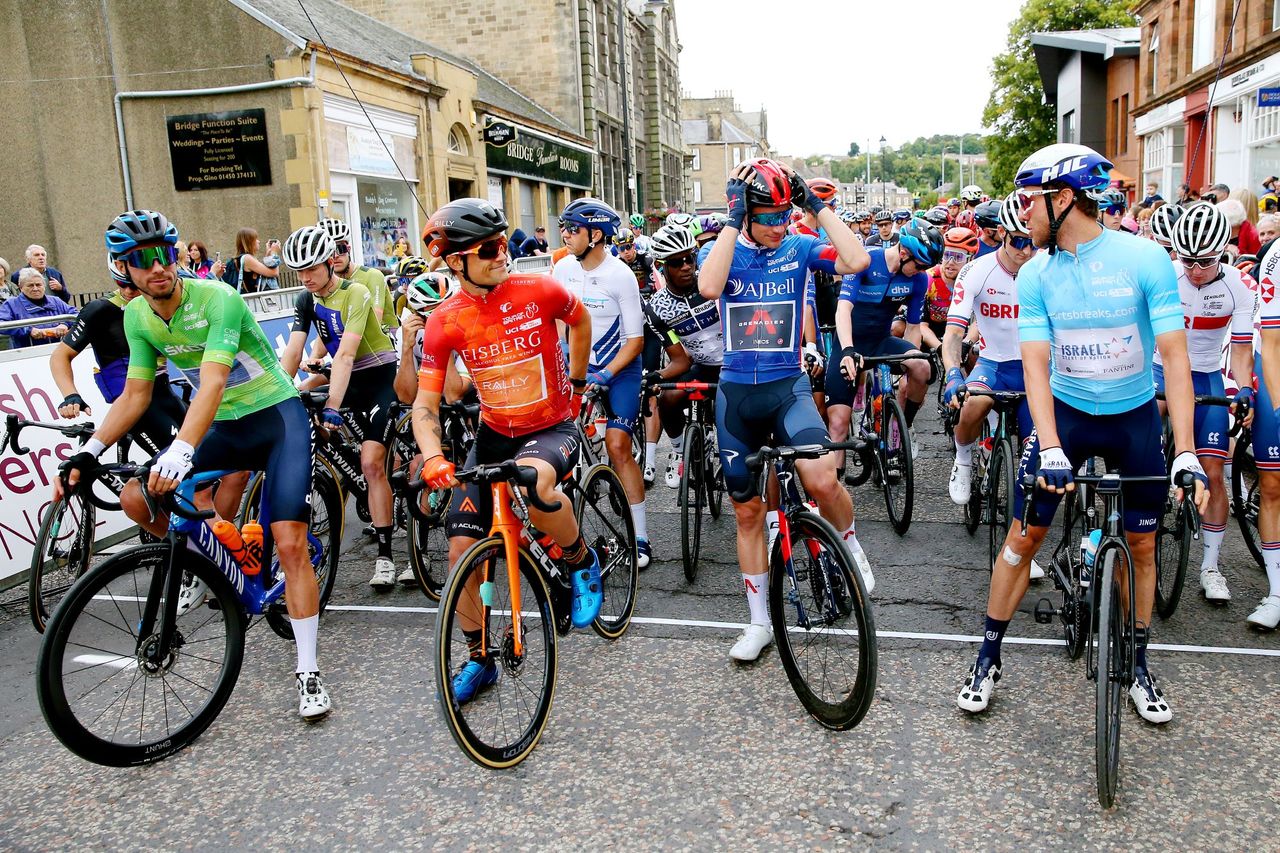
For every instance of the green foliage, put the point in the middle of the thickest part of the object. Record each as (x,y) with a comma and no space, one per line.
(854,149)
(1020,121)
(916,165)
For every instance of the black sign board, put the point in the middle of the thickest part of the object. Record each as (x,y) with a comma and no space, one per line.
(212,151)
(498,133)
(540,157)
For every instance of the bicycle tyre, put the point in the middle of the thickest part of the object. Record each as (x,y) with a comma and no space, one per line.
(428,544)
(977,480)
(497,743)
(1246,498)
(691,500)
(897,471)
(1110,675)
(604,519)
(1075,613)
(98,601)
(325,497)
(1000,476)
(1173,551)
(51,573)
(801,646)
(715,473)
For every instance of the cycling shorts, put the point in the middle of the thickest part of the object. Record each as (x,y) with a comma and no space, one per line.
(276,440)
(471,506)
(839,391)
(624,397)
(750,416)
(159,424)
(1131,443)
(1266,429)
(988,375)
(370,394)
(1213,423)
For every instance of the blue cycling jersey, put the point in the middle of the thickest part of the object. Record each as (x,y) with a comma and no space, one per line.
(876,294)
(984,249)
(763,304)
(1101,311)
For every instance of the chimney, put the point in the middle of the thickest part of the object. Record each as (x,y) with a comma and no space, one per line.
(713,126)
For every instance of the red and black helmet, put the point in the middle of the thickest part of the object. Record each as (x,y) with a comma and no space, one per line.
(462,224)
(769,186)
(966,219)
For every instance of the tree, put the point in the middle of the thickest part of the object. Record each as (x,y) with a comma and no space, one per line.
(854,149)
(1016,113)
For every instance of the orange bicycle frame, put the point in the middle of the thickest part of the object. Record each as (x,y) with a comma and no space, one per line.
(508,526)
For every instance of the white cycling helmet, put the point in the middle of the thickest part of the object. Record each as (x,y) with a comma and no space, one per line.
(1011,216)
(307,247)
(1201,231)
(684,220)
(336,228)
(672,240)
(427,291)
(1163,219)
(973,192)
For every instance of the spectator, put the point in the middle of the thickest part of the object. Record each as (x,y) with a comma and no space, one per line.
(515,246)
(184,261)
(1215,193)
(272,258)
(1188,195)
(1250,202)
(38,259)
(1268,228)
(398,251)
(30,303)
(1152,196)
(201,264)
(537,244)
(1144,220)
(1243,235)
(7,290)
(245,272)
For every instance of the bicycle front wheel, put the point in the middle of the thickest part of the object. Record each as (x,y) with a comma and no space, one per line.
(823,624)
(999,499)
(898,480)
(428,544)
(1173,550)
(1112,669)
(691,500)
(501,723)
(1246,499)
(604,518)
(59,556)
(115,698)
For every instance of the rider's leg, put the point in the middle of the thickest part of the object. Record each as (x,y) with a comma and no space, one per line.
(917,385)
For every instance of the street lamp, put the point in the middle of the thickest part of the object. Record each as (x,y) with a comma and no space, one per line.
(884,193)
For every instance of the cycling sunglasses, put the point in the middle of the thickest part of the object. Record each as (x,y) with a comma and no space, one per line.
(344,248)
(489,250)
(1026,197)
(1114,209)
(1201,263)
(955,257)
(570,227)
(679,261)
(1019,242)
(143,259)
(772,220)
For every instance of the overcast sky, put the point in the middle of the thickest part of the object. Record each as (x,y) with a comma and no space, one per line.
(921,66)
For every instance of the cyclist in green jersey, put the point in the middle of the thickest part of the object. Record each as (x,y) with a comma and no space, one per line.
(362,375)
(246,413)
(384,307)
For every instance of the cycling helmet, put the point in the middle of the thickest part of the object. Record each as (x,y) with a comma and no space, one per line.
(883,216)
(937,216)
(428,290)
(592,213)
(461,224)
(1076,166)
(637,220)
(135,227)
(823,189)
(769,185)
(1112,198)
(955,202)
(971,193)
(337,229)
(1011,216)
(862,215)
(901,215)
(987,214)
(683,220)
(1162,222)
(961,238)
(671,240)
(966,219)
(307,247)
(848,217)
(116,275)
(712,223)
(922,242)
(411,266)
(1201,231)
(624,238)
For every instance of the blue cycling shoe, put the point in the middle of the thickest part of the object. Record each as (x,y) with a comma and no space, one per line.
(588,594)
(474,676)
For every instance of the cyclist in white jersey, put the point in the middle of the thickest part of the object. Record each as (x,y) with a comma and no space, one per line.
(1216,298)
(1266,434)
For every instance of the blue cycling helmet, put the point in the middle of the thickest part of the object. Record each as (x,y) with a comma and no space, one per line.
(901,215)
(922,241)
(592,213)
(1077,166)
(135,227)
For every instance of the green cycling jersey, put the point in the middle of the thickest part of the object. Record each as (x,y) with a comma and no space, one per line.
(377,284)
(212,324)
(348,309)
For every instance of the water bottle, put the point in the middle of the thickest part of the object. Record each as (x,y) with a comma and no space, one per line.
(252,535)
(1089,550)
(231,539)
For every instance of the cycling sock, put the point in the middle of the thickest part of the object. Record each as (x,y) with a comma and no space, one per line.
(850,537)
(577,555)
(650,454)
(383,535)
(993,420)
(964,453)
(304,635)
(1140,638)
(1212,534)
(756,586)
(638,516)
(992,636)
(473,643)
(1226,474)
(1271,559)
(771,530)
(677,443)
(910,411)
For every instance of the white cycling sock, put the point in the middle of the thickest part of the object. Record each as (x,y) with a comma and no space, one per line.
(771,530)
(1212,545)
(637,516)
(1271,559)
(850,537)
(757,587)
(650,454)
(964,453)
(304,634)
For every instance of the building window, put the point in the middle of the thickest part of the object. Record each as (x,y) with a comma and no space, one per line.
(737,155)
(697,192)
(1122,125)
(1202,33)
(1153,56)
(456,143)
(697,153)
(1275,14)
(1068,127)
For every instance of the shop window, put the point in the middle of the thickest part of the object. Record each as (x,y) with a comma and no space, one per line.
(387,214)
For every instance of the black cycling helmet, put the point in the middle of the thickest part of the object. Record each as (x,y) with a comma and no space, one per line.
(461,225)
(132,228)
(987,214)
(937,217)
(922,242)
(883,216)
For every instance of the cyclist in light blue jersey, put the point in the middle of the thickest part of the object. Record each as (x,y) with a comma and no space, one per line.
(1094,309)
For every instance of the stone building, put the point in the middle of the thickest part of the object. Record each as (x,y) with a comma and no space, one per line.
(607,69)
(719,136)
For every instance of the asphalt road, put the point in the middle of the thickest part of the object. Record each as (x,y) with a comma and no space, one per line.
(659,740)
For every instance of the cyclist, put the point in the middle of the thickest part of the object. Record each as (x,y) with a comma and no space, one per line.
(409,268)
(424,295)
(1266,436)
(1163,219)
(938,218)
(362,375)
(624,246)
(971,196)
(826,288)
(864,222)
(641,266)
(884,235)
(383,303)
(638,223)
(986,218)
(607,289)
(503,327)
(1112,209)
(246,413)
(685,319)
(959,246)
(1093,308)
(711,224)
(758,272)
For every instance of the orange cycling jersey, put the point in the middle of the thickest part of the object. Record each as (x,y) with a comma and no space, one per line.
(510,346)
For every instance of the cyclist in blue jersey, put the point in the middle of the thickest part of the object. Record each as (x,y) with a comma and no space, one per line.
(758,272)
(1093,309)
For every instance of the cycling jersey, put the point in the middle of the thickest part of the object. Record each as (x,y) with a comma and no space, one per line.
(763,304)
(641,267)
(508,340)
(986,288)
(212,324)
(692,320)
(376,282)
(1268,301)
(825,286)
(418,350)
(1212,423)
(609,294)
(100,325)
(349,308)
(1101,311)
(937,299)
(876,241)
(984,249)
(1208,311)
(875,294)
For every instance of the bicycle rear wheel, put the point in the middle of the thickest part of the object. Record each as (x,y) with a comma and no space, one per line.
(325,526)
(999,499)
(1245,496)
(897,475)
(977,480)
(714,472)
(1074,612)
(103,695)
(59,556)
(1112,667)
(428,544)
(823,624)
(691,500)
(501,725)
(604,518)
(1173,550)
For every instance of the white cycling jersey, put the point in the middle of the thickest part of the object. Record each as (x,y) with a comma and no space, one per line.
(610,294)
(1224,304)
(1268,304)
(987,288)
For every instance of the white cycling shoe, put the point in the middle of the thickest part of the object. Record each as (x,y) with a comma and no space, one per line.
(864,568)
(961,483)
(1267,613)
(384,574)
(406,576)
(975,696)
(674,463)
(1214,585)
(313,698)
(650,473)
(192,593)
(1148,699)
(751,642)
(1037,571)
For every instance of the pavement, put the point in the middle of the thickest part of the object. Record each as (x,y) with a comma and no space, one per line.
(659,741)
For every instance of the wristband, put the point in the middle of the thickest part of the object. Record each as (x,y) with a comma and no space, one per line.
(93,446)
(580,384)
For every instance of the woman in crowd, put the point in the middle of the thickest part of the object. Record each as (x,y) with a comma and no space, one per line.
(1243,235)
(247,273)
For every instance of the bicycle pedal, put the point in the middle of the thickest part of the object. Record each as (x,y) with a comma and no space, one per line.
(1045,611)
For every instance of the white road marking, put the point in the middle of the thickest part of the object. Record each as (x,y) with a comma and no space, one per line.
(897,635)
(113,661)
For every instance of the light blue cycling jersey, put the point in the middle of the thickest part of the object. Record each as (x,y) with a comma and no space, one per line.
(763,304)
(1101,311)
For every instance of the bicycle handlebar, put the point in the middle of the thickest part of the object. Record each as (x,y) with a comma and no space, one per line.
(756,462)
(14,425)
(511,471)
(682,386)
(1186,481)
